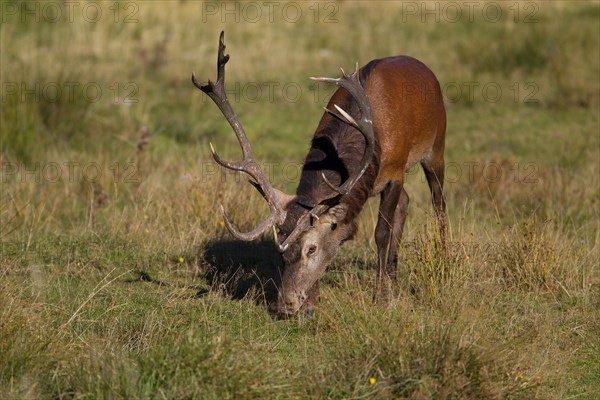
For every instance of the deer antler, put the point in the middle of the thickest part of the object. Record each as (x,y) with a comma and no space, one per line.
(365,125)
(216,91)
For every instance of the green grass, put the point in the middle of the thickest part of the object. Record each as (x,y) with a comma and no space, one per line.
(118,279)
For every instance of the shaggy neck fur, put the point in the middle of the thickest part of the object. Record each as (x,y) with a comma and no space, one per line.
(336,150)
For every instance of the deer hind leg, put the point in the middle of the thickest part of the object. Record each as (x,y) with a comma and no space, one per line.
(434,172)
(390,224)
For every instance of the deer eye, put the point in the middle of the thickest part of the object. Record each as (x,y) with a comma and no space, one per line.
(333,227)
(311,250)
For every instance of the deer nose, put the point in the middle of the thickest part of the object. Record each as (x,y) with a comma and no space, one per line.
(288,304)
(286,308)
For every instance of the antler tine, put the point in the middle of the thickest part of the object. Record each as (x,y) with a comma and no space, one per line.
(210,88)
(253,234)
(216,91)
(365,125)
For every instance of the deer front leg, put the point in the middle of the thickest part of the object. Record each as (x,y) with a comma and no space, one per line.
(392,213)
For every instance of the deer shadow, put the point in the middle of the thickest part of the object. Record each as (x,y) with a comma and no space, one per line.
(243,268)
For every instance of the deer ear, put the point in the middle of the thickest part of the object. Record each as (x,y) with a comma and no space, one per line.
(336,214)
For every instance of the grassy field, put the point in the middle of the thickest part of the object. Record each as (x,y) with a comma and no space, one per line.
(118,279)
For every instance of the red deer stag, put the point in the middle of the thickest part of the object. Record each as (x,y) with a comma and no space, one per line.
(385,117)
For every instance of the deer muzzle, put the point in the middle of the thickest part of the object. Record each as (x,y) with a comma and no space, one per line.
(290,301)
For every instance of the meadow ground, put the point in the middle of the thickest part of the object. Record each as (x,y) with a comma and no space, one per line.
(118,280)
